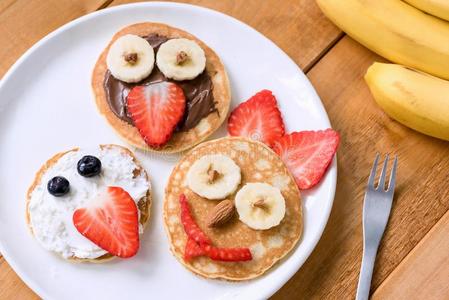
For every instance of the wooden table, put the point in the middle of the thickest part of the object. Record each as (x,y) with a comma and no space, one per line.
(413,261)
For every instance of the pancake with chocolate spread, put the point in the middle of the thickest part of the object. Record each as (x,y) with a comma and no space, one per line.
(207,95)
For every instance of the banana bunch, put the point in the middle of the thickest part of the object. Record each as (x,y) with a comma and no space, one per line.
(438,8)
(410,36)
(395,30)
(415,99)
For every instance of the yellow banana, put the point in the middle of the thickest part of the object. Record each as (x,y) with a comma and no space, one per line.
(438,8)
(395,30)
(415,99)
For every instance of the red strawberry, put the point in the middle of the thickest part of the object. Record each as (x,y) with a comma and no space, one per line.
(111,222)
(198,244)
(227,254)
(192,250)
(156,109)
(258,118)
(307,154)
(190,227)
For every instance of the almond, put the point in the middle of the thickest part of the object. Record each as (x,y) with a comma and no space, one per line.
(131,58)
(181,57)
(260,203)
(212,175)
(221,213)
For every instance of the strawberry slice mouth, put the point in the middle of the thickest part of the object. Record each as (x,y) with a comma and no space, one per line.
(192,250)
(198,244)
(191,228)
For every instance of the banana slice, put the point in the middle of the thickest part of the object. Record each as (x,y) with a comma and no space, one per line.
(214,176)
(130,58)
(260,205)
(181,59)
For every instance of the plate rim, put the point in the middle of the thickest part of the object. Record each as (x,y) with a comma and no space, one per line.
(331,172)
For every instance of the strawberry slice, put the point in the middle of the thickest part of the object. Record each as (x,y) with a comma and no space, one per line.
(227,254)
(192,250)
(307,154)
(156,109)
(111,222)
(198,244)
(190,227)
(258,118)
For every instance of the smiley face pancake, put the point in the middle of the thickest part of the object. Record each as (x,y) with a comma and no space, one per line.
(231,209)
(90,204)
(161,88)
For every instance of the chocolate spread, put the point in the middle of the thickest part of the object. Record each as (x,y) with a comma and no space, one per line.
(198,92)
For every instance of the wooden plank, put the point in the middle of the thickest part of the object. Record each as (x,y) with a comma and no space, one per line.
(422,194)
(11,286)
(296,26)
(5,4)
(24,22)
(424,273)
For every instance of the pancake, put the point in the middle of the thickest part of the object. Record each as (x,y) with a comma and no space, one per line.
(181,140)
(258,163)
(143,204)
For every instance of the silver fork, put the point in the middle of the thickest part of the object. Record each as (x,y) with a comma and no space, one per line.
(376,210)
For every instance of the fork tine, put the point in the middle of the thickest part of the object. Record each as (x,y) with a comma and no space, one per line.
(383,174)
(372,176)
(392,182)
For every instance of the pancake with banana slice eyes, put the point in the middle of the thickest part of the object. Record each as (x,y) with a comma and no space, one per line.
(232,209)
(161,88)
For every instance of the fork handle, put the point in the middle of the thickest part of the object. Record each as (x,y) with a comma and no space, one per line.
(366,272)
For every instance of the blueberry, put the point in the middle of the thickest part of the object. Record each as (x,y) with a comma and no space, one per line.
(89,166)
(58,186)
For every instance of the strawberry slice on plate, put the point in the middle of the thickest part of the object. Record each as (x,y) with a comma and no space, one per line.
(111,222)
(307,154)
(258,118)
(156,109)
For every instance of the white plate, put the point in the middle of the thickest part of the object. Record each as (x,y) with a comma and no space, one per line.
(46,106)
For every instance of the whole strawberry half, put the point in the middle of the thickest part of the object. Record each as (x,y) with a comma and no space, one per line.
(156,109)
(111,222)
(307,154)
(258,118)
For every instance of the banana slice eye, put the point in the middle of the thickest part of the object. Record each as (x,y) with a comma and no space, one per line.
(130,58)
(214,176)
(260,205)
(181,59)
